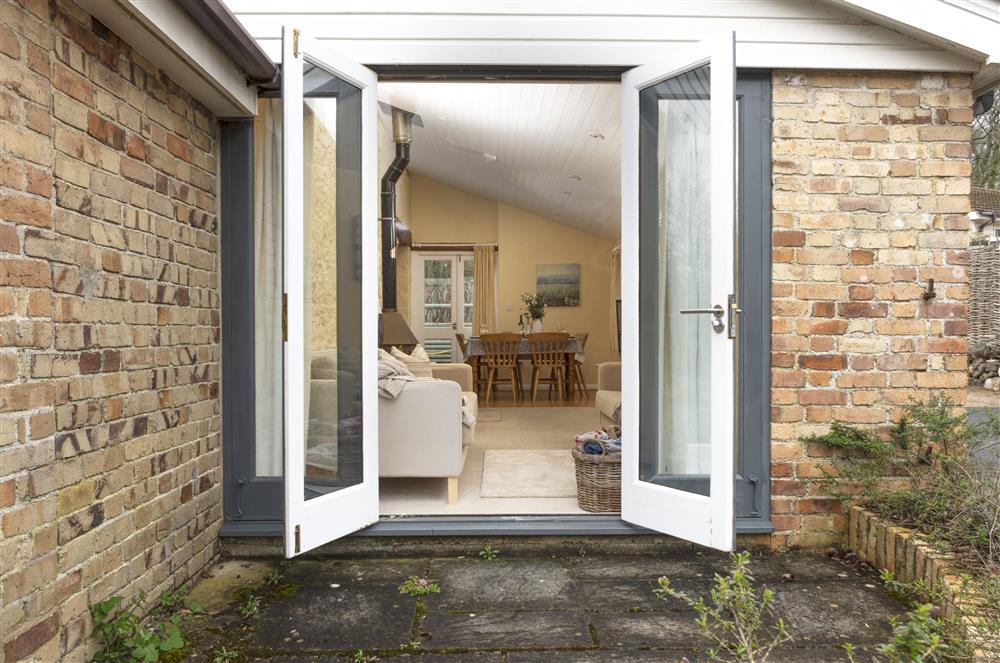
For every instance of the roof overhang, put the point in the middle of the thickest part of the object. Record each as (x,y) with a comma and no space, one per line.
(945,24)
(167,35)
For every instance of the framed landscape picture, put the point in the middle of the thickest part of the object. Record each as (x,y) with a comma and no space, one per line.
(559,285)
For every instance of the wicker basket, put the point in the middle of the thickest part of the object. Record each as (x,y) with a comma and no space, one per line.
(598,481)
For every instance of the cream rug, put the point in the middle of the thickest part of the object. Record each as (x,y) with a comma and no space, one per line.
(528,473)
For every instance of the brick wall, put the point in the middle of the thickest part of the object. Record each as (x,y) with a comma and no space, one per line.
(109,311)
(871,184)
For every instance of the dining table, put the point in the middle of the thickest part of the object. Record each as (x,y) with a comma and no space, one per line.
(474,351)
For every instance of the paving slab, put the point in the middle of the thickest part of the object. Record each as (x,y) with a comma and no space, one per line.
(506,630)
(836,612)
(477,585)
(631,595)
(691,565)
(647,629)
(351,616)
(379,571)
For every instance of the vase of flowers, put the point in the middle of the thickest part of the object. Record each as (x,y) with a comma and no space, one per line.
(533,310)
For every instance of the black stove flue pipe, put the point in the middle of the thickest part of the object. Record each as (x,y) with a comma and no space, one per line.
(387,217)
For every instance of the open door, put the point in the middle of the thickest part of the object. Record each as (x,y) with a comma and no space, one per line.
(678,276)
(330,288)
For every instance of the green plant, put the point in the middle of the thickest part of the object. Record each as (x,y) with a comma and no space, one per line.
(739,619)
(942,488)
(582,552)
(923,634)
(533,306)
(416,586)
(489,553)
(123,637)
(274,577)
(250,606)
(223,655)
(178,602)
(360,656)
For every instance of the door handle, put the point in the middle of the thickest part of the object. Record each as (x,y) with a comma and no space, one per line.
(717,313)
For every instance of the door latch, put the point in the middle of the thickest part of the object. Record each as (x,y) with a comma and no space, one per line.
(717,313)
(734,311)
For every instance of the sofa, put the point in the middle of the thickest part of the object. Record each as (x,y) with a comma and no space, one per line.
(609,390)
(421,432)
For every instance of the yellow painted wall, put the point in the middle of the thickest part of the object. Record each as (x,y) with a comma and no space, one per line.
(440,213)
(444,214)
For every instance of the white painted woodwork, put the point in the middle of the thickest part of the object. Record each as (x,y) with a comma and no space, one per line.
(824,34)
(540,136)
(707,520)
(322,519)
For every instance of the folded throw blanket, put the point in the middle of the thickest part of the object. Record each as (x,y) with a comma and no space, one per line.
(393,376)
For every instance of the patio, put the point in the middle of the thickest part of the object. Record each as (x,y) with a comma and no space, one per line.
(576,605)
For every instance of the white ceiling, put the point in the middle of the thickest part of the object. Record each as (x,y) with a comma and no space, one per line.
(546,160)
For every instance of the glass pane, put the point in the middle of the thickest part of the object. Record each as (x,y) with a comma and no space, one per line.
(468,289)
(675,263)
(268,367)
(332,214)
(437,293)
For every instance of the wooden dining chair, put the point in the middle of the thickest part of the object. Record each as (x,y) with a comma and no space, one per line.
(463,346)
(577,367)
(501,353)
(548,350)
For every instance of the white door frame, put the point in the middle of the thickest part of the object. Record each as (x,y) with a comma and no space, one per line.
(308,522)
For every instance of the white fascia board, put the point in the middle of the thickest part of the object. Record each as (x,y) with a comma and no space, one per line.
(941,23)
(163,33)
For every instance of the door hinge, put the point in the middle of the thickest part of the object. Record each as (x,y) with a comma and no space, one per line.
(284,316)
(295,43)
(298,540)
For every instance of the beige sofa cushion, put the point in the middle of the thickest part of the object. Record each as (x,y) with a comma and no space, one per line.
(418,362)
(607,402)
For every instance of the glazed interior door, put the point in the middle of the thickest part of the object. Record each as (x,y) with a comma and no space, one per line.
(441,300)
(331,301)
(678,273)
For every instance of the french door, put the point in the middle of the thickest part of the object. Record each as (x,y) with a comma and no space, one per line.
(331,301)
(678,280)
(678,276)
(443,286)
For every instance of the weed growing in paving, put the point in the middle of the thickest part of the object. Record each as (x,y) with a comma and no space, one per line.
(739,619)
(489,553)
(119,627)
(416,586)
(223,655)
(250,606)
(922,634)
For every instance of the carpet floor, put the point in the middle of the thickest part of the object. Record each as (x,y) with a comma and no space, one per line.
(500,429)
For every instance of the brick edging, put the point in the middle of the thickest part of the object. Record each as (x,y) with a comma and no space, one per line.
(911,558)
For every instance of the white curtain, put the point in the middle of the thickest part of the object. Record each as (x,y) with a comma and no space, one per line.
(484,301)
(616,294)
(684,274)
(267,288)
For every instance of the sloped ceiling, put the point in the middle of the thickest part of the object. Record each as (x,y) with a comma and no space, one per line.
(549,148)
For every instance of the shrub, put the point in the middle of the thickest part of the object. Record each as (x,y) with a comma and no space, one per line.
(945,487)
(741,621)
(947,490)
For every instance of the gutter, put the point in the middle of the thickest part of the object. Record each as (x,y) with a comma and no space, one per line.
(225,29)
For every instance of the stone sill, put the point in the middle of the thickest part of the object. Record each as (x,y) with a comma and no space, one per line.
(912,559)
